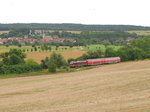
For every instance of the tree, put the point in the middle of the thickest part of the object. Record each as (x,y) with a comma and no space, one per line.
(57,46)
(13,57)
(13,60)
(19,45)
(15,42)
(49,48)
(35,49)
(92,55)
(143,44)
(130,53)
(45,63)
(52,67)
(110,52)
(57,59)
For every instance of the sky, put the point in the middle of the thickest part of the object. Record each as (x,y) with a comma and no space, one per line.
(124,12)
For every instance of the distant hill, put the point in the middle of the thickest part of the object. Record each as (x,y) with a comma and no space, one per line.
(73,27)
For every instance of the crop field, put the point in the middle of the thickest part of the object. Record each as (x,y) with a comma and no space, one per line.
(141,32)
(1,32)
(66,51)
(123,87)
(38,56)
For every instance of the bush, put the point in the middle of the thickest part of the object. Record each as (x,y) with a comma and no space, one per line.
(20,68)
(130,53)
(92,55)
(52,67)
(57,59)
(13,57)
(44,63)
(71,59)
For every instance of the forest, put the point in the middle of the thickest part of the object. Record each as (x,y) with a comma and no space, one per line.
(73,27)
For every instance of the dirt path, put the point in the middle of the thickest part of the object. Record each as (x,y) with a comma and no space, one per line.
(123,87)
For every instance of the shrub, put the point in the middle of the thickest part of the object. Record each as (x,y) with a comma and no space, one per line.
(13,57)
(57,59)
(44,63)
(92,55)
(52,67)
(20,68)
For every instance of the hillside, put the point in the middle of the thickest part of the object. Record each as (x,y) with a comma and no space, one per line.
(122,87)
(73,27)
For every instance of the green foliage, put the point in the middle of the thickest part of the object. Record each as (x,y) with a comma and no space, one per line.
(130,53)
(13,62)
(144,45)
(92,55)
(45,63)
(110,52)
(35,49)
(19,68)
(57,59)
(73,27)
(52,67)
(138,49)
(15,42)
(71,59)
(31,62)
(53,62)
(18,32)
(106,38)
(19,45)
(44,47)
(13,57)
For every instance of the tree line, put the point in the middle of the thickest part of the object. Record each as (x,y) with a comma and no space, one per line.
(73,27)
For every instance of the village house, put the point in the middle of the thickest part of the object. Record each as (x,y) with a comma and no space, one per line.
(45,39)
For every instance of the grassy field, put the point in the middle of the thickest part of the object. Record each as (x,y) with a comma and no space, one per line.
(99,47)
(122,87)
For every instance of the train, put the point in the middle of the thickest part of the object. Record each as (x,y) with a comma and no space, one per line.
(98,61)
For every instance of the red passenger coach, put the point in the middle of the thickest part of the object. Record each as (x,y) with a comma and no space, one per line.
(98,61)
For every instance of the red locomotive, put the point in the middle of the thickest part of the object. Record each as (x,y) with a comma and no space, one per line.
(98,61)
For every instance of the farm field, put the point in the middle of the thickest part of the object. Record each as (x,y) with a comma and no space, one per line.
(122,87)
(73,52)
(144,32)
(38,56)
(1,32)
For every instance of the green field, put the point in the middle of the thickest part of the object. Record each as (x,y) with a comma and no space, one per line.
(99,47)
(61,48)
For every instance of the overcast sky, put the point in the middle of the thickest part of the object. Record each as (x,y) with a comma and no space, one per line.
(128,12)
